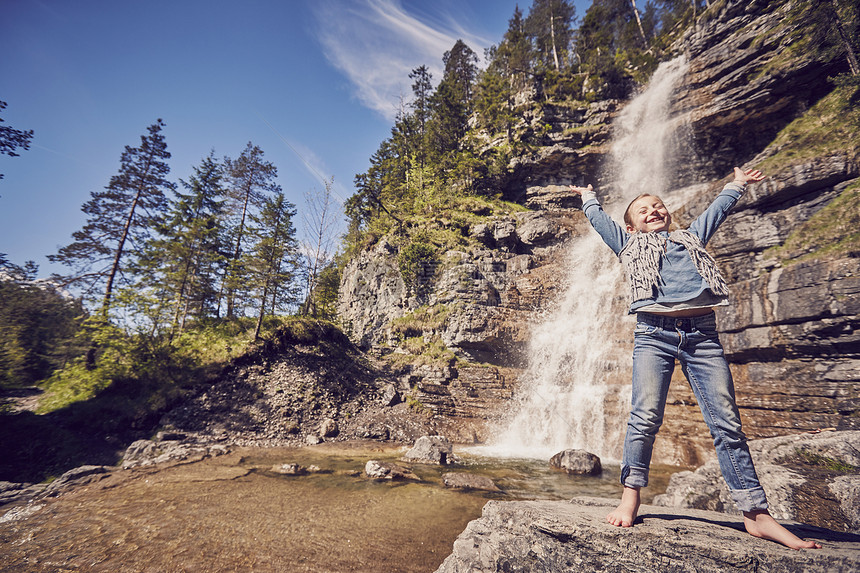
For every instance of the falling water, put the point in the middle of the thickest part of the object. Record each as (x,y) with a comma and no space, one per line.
(575,390)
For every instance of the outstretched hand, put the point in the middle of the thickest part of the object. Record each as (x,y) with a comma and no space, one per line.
(580,190)
(744,177)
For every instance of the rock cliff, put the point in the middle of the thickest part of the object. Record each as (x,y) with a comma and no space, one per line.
(792,330)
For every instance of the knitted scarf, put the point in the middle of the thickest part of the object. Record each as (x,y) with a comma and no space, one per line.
(642,259)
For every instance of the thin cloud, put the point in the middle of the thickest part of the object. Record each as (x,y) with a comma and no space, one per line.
(377,43)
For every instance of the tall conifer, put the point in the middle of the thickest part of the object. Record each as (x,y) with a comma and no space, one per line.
(185,260)
(273,259)
(251,180)
(121,218)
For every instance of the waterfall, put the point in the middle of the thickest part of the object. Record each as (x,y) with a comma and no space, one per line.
(575,391)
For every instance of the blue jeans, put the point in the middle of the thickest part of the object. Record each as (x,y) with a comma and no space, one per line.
(658,341)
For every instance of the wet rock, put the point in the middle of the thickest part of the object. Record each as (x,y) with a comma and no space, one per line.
(328,428)
(431,450)
(11,492)
(463,480)
(289,469)
(576,462)
(76,477)
(148,452)
(385,470)
(528,536)
(21,512)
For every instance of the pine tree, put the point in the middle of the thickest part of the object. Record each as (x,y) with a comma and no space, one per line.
(121,219)
(549,25)
(507,73)
(11,139)
(250,181)
(185,260)
(273,259)
(452,102)
(422,91)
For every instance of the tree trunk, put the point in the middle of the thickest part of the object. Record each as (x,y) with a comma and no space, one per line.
(262,310)
(231,291)
(117,256)
(552,35)
(639,23)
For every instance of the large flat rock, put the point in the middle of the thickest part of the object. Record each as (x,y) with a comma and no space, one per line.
(556,536)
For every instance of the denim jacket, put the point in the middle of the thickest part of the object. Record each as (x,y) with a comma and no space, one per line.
(679,279)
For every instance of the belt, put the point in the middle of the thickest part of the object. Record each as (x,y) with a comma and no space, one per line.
(687,324)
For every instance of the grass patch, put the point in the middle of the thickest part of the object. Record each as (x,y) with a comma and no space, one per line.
(423,319)
(834,231)
(830,127)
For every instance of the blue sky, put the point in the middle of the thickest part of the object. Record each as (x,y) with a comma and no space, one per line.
(320,79)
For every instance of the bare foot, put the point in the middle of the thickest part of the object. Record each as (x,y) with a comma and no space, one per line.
(626,511)
(759,523)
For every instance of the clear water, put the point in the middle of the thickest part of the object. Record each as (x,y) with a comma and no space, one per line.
(233,513)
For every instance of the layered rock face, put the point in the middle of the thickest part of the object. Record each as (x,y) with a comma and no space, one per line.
(791,332)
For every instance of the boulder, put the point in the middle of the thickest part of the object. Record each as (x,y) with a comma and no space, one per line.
(385,470)
(431,450)
(528,536)
(463,480)
(390,395)
(328,428)
(505,234)
(576,462)
(807,477)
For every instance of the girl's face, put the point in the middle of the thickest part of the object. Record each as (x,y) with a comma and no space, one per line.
(648,214)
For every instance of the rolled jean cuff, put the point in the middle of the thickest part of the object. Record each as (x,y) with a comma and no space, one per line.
(749,499)
(634,477)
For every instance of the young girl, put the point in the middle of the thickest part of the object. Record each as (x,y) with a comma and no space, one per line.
(676,285)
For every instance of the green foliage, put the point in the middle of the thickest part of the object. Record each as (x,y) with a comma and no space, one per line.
(830,127)
(250,181)
(426,319)
(834,231)
(121,219)
(273,263)
(417,261)
(179,270)
(37,327)
(417,405)
(325,292)
(11,139)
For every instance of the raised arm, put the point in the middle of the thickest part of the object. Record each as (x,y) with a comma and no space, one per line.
(611,232)
(709,221)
